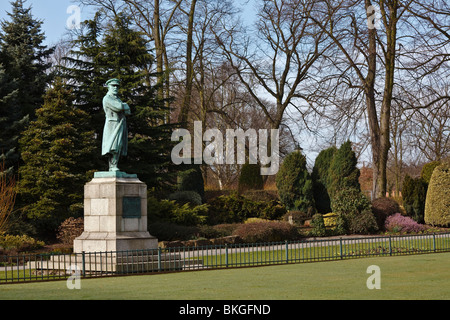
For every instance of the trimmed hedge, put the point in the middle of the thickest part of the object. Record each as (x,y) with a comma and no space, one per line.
(437,206)
(269,231)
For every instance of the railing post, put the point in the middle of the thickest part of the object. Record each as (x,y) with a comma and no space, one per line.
(159,259)
(390,245)
(340,246)
(226,255)
(434,242)
(83,264)
(287,251)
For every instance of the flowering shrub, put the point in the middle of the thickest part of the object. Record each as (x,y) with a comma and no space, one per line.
(399,223)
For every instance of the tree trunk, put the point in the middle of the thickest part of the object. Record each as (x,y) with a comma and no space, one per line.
(158,49)
(183,117)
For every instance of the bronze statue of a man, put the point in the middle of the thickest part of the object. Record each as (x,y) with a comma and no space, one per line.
(115,132)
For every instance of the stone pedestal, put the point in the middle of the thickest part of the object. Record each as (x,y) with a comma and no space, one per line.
(115,214)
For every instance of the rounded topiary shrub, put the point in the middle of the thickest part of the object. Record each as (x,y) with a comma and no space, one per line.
(356,211)
(437,205)
(250,178)
(383,208)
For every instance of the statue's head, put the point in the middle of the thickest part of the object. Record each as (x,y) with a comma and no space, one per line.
(113,86)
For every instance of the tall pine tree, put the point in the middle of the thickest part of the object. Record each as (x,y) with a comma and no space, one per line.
(86,73)
(57,150)
(24,59)
(11,122)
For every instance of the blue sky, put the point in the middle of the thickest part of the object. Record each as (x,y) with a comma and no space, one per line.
(53,13)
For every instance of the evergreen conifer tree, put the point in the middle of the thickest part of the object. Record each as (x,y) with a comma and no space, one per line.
(343,173)
(86,74)
(320,179)
(24,60)
(295,185)
(57,153)
(11,122)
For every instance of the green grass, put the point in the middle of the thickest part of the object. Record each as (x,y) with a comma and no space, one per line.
(423,276)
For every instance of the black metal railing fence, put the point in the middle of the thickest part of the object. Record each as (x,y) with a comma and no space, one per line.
(41,267)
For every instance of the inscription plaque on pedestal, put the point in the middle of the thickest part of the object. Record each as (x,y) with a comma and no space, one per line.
(131,207)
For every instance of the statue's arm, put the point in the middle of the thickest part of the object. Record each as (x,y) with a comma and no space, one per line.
(126,108)
(114,104)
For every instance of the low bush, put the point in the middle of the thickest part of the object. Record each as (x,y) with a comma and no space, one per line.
(261,195)
(297,217)
(318,226)
(399,223)
(330,219)
(363,223)
(355,210)
(272,210)
(217,231)
(173,212)
(167,231)
(269,231)
(383,208)
(235,208)
(254,220)
(24,243)
(70,229)
(350,201)
(183,197)
(187,215)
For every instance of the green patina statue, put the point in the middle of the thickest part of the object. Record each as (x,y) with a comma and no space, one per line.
(115,132)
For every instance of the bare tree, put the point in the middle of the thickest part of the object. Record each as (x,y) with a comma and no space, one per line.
(366,36)
(277,64)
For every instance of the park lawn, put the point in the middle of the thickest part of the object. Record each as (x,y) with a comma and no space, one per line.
(424,276)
